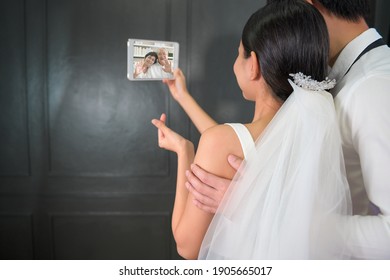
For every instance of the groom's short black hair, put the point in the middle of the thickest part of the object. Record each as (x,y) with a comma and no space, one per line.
(351,10)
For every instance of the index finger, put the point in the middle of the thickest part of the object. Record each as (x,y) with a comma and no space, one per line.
(159,124)
(163,119)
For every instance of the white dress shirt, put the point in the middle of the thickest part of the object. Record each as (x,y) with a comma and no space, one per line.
(156,71)
(362,100)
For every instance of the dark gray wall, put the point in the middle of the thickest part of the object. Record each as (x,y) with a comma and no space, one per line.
(81,175)
(382,19)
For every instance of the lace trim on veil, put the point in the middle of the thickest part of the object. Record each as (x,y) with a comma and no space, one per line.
(308,83)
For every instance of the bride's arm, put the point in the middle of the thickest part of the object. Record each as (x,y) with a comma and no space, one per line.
(170,140)
(179,92)
(192,223)
(189,223)
(188,226)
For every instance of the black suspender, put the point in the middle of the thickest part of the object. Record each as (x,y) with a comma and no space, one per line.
(371,46)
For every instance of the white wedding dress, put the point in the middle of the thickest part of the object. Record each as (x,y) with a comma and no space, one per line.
(290,197)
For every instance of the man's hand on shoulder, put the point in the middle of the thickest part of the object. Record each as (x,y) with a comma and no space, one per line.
(209,189)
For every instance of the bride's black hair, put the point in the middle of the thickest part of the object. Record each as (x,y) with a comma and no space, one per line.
(288,37)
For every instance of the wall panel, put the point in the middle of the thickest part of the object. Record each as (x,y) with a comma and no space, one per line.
(92,106)
(81,174)
(14,149)
(16,236)
(111,236)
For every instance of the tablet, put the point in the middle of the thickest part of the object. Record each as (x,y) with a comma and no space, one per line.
(151,59)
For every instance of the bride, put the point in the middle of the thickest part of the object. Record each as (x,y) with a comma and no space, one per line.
(290,195)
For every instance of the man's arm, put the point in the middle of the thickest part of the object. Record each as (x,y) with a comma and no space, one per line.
(370,128)
(209,189)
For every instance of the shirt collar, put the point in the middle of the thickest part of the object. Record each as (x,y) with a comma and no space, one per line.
(351,52)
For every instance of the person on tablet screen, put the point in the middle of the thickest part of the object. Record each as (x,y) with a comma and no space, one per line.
(141,68)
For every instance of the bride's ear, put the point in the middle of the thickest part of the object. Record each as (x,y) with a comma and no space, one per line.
(255,66)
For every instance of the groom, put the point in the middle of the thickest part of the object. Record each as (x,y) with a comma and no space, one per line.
(360,63)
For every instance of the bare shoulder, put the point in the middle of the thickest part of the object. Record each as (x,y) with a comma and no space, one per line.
(214,147)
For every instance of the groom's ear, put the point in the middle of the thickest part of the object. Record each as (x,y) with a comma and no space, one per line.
(255,66)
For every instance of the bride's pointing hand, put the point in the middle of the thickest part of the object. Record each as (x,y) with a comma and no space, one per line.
(169,139)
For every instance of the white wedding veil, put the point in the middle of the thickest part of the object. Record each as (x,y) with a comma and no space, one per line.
(290,197)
